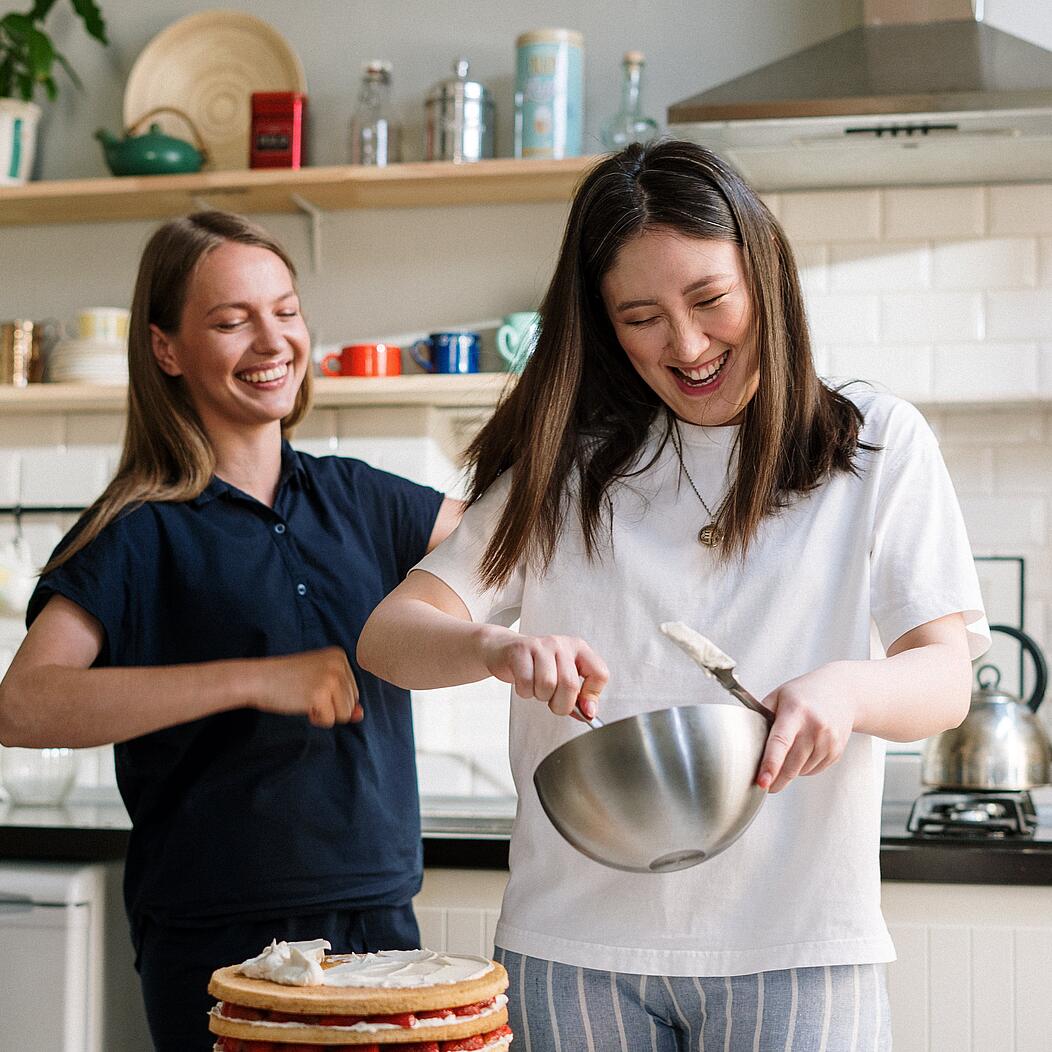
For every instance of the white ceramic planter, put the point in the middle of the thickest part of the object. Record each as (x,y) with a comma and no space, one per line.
(18,140)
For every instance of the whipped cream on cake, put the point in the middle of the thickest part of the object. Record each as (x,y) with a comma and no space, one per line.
(299,964)
(402,969)
(295,996)
(289,963)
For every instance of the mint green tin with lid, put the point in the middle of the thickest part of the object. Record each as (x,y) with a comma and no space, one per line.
(549,93)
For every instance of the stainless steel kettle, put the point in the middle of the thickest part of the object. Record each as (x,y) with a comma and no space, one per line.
(1001,744)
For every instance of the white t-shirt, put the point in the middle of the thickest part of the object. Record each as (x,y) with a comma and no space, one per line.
(886,547)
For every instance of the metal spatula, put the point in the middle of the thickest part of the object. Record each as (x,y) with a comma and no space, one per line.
(707,656)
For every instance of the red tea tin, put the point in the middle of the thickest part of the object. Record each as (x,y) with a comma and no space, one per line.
(278,138)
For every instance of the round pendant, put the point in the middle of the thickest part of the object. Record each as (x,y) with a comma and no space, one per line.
(710,535)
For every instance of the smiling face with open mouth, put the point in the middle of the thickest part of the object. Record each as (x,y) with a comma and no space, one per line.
(681,309)
(242,347)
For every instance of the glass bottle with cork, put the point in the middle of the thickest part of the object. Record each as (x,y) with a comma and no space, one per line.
(375,135)
(630,124)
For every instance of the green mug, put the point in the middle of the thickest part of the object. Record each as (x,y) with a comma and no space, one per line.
(517,337)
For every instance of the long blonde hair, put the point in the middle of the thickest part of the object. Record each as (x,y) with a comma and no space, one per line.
(167,454)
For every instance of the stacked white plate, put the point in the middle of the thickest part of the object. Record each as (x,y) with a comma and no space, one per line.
(88,361)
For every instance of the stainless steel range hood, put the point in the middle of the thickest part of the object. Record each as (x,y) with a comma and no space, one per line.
(946,99)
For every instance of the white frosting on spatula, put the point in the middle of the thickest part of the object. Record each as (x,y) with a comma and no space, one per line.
(702,651)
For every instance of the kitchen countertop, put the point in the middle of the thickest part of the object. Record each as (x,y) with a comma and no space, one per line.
(461,833)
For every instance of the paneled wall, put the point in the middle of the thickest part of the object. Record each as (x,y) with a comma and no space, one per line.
(971,974)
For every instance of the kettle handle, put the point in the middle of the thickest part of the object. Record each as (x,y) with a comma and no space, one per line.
(198,141)
(1040,665)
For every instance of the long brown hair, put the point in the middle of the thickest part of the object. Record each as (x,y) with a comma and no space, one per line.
(581,408)
(167,454)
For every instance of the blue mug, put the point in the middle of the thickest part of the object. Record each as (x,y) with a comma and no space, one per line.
(448,352)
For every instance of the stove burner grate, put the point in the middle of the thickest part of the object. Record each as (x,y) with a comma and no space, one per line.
(973,815)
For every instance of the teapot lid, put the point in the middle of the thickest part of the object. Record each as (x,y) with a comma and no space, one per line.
(458,87)
(989,690)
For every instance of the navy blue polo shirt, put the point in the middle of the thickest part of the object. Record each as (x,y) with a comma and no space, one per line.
(245,813)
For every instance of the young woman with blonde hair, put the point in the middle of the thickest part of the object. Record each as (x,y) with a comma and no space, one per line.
(203,616)
(670,454)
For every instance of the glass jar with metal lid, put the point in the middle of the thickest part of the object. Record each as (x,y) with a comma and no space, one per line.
(375,136)
(460,121)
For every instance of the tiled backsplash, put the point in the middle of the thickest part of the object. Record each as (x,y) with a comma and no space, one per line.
(943,296)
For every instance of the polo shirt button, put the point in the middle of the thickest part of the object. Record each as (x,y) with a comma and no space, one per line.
(279,528)
(301,589)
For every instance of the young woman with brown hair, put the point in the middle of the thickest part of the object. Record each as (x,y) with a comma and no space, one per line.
(201,615)
(670,454)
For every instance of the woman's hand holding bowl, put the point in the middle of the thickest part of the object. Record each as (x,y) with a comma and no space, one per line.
(814,717)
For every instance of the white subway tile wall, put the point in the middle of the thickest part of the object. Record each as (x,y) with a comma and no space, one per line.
(907,369)
(943,296)
(1045,270)
(837,215)
(937,213)
(1024,209)
(879,267)
(10,478)
(985,264)
(984,372)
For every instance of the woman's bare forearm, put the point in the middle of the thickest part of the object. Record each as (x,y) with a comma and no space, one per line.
(919,689)
(415,645)
(54,705)
(913,694)
(422,636)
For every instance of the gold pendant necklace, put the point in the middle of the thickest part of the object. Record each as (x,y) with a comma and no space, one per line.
(710,535)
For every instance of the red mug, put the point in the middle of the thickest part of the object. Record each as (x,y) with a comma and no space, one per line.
(363,359)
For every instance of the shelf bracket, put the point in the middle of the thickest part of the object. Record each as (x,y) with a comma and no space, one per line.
(315,214)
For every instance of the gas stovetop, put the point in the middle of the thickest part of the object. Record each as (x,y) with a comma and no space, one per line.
(973,815)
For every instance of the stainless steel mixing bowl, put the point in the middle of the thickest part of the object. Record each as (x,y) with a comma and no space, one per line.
(660,791)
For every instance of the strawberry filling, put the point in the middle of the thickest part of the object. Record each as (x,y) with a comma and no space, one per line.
(477,1043)
(402,1019)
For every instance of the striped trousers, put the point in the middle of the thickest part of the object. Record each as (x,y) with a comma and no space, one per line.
(561,1008)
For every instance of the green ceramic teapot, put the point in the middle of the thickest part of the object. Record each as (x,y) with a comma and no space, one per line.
(154,152)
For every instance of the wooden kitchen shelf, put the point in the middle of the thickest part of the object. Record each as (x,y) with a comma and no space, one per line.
(340,187)
(476,390)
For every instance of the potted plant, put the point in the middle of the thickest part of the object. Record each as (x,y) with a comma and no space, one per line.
(27,62)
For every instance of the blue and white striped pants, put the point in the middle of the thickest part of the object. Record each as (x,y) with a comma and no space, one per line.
(560,1008)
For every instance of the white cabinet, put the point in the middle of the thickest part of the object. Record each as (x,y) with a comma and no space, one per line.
(68,983)
(974,968)
(49,926)
(457,909)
